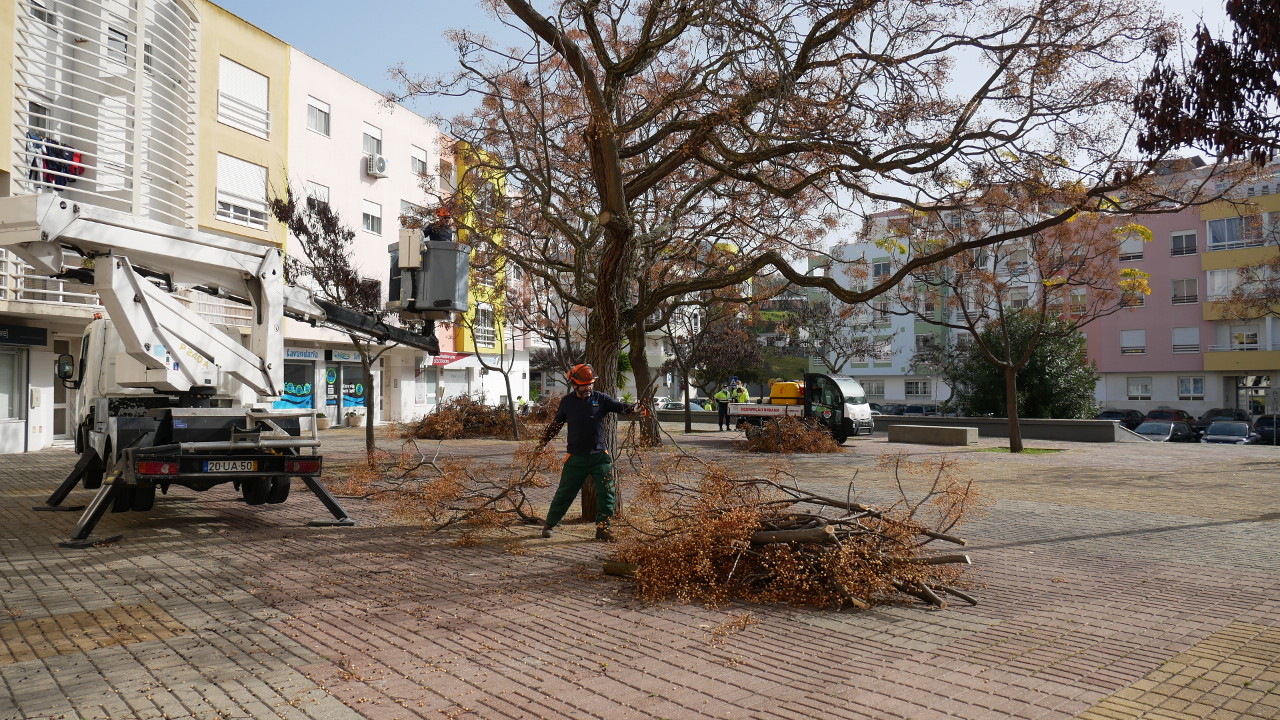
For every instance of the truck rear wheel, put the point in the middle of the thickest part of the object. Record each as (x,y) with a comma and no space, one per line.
(255,490)
(279,490)
(144,498)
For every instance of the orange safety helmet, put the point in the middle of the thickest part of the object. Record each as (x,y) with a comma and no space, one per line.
(582,375)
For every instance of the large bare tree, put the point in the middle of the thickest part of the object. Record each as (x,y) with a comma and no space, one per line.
(673,147)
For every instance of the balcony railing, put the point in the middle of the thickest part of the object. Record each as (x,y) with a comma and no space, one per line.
(1244,347)
(1186,348)
(1133,350)
(1186,299)
(1236,244)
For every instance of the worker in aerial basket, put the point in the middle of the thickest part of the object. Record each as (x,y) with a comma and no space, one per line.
(584,410)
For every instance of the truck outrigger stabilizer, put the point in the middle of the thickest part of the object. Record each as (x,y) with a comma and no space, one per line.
(175,446)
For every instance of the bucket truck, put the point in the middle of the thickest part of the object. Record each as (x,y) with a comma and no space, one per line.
(161,396)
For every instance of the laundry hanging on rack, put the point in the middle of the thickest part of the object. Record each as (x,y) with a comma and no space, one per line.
(53,162)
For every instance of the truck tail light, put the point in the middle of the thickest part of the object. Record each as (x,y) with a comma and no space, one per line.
(156,467)
(302,466)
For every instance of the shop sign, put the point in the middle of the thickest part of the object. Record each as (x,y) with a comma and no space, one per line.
(22,335)
(445,358)
(301,354)
(344,356)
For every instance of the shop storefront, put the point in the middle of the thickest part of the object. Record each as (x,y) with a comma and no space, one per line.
(344,388)
(15,344)
(299,378)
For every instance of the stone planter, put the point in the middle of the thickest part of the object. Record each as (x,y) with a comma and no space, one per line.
(322,422)
(354,420)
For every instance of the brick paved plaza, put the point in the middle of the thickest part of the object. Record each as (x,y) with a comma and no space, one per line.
(1118,581)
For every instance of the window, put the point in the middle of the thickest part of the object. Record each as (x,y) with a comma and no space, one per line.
(1133,342)
(372,140)
(1224,233)
(873,388)
(38,116)
(1133,300)
(1186,291)
(1016,262)
(1131,248)
(918,388)
(926,342)
(1139,388)
(880,269)
(411,215)
(1222,282)
(1244,337)
(318,116)
(117,45)
(417,160)
(880,313)
(1191,388)
(1186,340)
(929,303)
(484,330)
(1019,297)
(1236,232)
(41,12)
(318,191)
(371,218)
(1183,243)
(241,192)
(1079,300)
(882,350)
(242,98)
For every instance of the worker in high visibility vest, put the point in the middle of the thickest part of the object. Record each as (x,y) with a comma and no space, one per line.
(723,398)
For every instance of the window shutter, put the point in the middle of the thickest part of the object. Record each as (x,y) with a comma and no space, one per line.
(1133,338)
(1186,336)
(243,179)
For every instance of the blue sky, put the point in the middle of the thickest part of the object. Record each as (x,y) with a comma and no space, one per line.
(363,39)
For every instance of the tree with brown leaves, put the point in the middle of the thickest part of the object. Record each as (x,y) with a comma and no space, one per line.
(683,146)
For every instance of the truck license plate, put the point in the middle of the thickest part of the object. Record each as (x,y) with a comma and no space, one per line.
(230,465)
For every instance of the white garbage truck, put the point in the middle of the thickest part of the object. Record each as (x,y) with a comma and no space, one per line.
(161,396)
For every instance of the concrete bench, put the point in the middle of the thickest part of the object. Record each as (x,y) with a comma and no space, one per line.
(933,434)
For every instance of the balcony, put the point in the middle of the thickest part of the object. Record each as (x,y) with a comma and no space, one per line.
(1186,299)
(1240,357)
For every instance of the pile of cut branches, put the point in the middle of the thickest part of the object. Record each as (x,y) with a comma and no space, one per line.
(724,537)
(789,435)
(464,417)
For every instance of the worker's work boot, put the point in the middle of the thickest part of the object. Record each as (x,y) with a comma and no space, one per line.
(546,532)
(604,533)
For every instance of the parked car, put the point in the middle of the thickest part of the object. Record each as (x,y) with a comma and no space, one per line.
(1265,426)
(1231,432)
(892,408)
(672,405)
(1209,416)
(920,410)
(1158,431)
(1169,415)
(1128,418)
(876,408)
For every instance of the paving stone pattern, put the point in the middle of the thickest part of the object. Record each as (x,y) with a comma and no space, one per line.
(1116,582)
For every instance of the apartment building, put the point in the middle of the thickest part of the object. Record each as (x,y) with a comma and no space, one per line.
(886,371)
(181,112)
(1173,348)
(1178,348)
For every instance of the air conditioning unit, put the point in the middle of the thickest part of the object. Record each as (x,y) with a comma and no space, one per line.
(377,166)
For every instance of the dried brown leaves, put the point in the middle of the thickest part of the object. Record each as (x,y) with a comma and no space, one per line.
(790,435)
(720,536)
(465,417)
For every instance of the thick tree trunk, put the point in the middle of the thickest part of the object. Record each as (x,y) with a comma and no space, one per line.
(649,435)
(1011,408)
(370,402)
(603,345)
